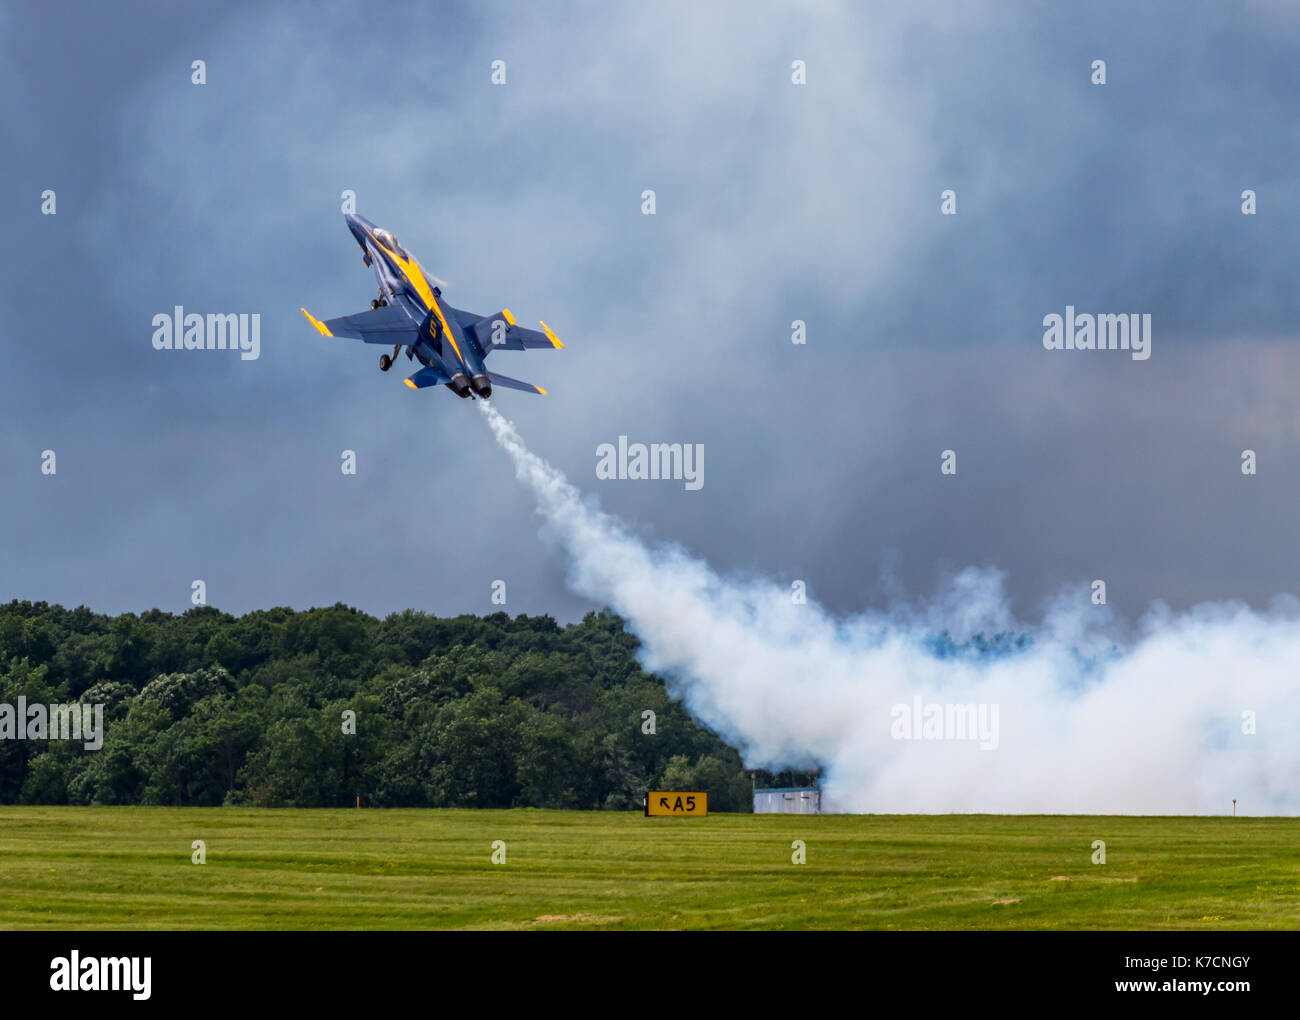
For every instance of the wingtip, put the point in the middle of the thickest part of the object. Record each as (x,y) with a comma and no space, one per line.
(320,326)
(555,340)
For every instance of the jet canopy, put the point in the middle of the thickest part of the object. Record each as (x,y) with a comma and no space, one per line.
(386,238)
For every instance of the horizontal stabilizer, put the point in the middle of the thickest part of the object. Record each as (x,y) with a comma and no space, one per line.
(514,384)
(426,377)
(500,333)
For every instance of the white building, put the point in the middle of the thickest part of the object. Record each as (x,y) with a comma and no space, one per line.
(789,800)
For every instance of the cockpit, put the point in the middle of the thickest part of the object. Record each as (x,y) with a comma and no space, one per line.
(386,238)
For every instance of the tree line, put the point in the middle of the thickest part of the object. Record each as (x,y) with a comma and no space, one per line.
(281,708)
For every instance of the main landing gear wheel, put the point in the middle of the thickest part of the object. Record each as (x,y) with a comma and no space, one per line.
(385,362)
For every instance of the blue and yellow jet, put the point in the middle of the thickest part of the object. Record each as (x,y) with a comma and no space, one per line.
(410,313)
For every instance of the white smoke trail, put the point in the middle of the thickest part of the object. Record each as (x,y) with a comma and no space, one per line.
(1156,724)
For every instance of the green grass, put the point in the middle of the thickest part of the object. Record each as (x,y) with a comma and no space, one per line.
(130,868)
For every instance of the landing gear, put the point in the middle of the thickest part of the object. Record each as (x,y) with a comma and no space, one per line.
(378,303)
(385,362)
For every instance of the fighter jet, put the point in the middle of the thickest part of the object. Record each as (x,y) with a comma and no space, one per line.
(411,314)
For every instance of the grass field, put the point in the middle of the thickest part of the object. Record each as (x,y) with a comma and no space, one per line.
(130,868)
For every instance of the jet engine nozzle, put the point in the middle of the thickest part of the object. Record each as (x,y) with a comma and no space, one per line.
(482,386)
(459,385)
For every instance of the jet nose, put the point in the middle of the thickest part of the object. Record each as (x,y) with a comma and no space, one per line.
(482,386)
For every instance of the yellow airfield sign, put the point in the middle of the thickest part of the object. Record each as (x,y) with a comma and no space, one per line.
(676,802)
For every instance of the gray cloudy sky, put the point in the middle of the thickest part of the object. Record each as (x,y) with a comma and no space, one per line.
(775,203)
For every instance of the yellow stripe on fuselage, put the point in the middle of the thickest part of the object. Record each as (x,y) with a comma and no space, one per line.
(412,271)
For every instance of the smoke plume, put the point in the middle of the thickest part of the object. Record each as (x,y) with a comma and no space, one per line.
(1178,714)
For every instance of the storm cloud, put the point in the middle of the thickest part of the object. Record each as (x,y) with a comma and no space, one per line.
(775,202)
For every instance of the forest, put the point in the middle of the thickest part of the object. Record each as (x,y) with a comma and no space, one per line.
(316,708)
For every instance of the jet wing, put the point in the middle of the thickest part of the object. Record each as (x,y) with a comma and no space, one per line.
(500,333)
(388,325)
